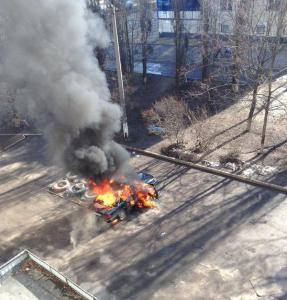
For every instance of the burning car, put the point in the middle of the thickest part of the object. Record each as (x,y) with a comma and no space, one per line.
(111,198)
(115,199)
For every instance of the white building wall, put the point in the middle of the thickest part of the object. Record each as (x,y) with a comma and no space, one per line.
(192,20)
(224,21)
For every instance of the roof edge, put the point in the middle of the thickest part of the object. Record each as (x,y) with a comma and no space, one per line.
(9,266)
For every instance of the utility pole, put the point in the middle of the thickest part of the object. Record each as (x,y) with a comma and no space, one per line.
(120,74)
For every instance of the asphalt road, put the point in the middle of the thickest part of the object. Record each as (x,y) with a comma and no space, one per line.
(209,239)
(161,60)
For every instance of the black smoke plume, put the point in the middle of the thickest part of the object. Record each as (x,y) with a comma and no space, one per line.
(47,57)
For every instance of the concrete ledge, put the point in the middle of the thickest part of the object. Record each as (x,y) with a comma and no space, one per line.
(10,269)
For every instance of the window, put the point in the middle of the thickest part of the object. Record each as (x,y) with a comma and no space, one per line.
(225,5)
(164,5)
(273,4)
(186,5)
(260,29)
(225,28)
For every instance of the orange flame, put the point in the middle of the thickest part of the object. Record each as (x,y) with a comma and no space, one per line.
(102,187)
(111,192)
(104,192)
(145,194)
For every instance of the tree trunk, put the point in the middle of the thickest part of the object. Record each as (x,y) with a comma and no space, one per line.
(120,27)
(240,20)
(263,135)
(128,46)
(268,102)
(267,107)
(252,108)
(236,70)
(101,56)
(124,40)
(146,28)
(144,62)
(177,46)
(205,44)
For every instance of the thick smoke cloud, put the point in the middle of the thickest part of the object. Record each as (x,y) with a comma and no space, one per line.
(48,59)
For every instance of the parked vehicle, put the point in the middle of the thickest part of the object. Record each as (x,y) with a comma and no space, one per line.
(147,178)
(122,208)
(155,130)
(116,213)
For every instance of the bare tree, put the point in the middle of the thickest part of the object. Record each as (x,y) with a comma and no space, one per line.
(181,40)
(201,135)
(255,71)
(123,12)
(239,38)
(171,114)
(94,5)
(210,39)
(145,11)
(257,52)
(279,23)
(205,40)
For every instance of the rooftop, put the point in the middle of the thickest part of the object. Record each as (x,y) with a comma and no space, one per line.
(27,277)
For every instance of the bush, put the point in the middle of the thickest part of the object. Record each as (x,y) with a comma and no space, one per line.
(188,156)
(174,116)
(171,149)
(231,157)
(178,152)
(150,116)
(201,134)
(202,145)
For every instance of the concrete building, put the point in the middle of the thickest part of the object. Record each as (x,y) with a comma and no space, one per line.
(102,4)
(190,11)
(259,13)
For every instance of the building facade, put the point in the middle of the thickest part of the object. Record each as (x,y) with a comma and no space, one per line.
(259,15)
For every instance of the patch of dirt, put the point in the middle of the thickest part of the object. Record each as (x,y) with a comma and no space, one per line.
(226,131)
(278,107)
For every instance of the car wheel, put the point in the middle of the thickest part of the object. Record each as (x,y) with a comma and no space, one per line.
(72,177)
(78,189)
(60,186)
(90,195)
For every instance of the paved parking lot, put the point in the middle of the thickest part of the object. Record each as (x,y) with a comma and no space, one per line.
(209,239)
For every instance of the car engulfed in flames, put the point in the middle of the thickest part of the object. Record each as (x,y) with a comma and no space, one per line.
(115,199)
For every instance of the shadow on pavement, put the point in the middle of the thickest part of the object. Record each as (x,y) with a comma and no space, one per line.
(190,239)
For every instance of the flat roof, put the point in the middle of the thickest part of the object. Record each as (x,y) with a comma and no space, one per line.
(27,277)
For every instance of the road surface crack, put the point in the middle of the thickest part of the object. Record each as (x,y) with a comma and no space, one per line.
(254,289)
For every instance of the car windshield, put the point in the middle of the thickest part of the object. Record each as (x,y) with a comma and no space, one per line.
(143,176)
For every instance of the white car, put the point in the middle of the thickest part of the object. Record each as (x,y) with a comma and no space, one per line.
(154,129)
